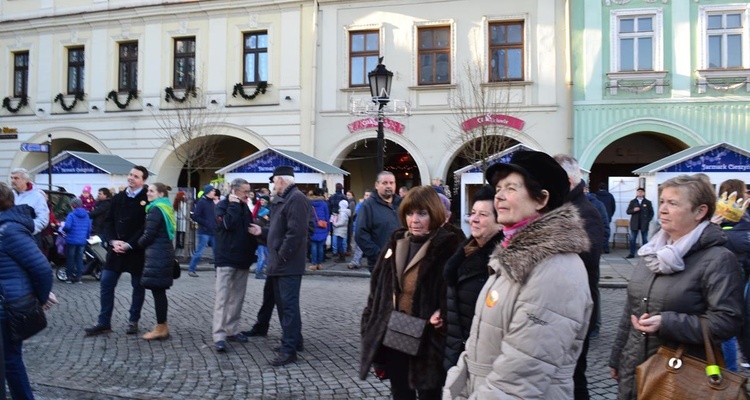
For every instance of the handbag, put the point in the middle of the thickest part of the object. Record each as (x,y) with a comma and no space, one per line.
(671,374)
(176,271)
(321,223)
(25,317)
(404,332)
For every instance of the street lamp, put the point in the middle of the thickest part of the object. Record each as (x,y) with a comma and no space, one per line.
(380,89)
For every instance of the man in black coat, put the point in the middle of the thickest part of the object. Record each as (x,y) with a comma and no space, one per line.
(287,248)
(123,226)
(204,215)
(377,219)
(641,213)
(594,227)
(234,252)
(609,203)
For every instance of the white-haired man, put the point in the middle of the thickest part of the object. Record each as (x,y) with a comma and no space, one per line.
(595,229)
(27,193)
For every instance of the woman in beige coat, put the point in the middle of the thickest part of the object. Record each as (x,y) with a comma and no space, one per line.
(532,315)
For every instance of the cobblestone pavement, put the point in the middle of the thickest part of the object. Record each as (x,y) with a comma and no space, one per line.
(63,364)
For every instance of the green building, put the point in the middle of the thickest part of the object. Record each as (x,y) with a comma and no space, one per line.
(654,77)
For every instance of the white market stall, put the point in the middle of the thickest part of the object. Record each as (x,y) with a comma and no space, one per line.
(720,161)
(73,170)
(309,172)
(471,179)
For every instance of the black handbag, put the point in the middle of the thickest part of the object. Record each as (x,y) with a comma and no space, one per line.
(176,271)
(404,332)
(25,317)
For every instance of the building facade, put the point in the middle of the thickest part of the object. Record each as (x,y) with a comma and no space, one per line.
(651,78)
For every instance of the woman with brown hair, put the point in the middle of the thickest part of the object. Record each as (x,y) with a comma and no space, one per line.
(409,275)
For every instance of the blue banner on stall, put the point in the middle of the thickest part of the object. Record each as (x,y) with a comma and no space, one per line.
(719,159)
(73,165)
(268,162)
(503,159)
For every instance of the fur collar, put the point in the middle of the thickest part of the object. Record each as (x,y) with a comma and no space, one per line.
(560,231)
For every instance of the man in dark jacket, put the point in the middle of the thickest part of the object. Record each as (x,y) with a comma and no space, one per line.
(609,203)
(593,225)
(287,244)
(123,226)
(99,213)
(336,197)
(233,254)
(205,217)
(377,219)
(641,213)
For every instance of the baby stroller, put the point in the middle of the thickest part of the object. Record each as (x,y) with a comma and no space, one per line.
(94,256)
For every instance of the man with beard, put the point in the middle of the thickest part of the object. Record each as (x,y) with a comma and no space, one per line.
(378,218)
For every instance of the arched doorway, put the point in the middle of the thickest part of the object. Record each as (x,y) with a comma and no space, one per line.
(631,152)
(361,161)
(220,151)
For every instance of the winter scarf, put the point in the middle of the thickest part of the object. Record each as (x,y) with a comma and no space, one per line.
(167,211)
(662,256)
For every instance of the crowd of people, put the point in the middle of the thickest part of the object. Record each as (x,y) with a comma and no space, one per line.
(506,313)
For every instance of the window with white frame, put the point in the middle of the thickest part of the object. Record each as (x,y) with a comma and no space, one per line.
(724,35)
(636,40)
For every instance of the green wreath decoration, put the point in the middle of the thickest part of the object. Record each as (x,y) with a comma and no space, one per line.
(60,99)
(190,91)
(133,94)
(21,104)
(240,89)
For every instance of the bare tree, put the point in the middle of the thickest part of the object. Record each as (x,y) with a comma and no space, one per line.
(481,117)
(188,127)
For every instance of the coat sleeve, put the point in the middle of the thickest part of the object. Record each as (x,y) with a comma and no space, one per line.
(631,207)
(621,338)
(296,231)
(364,236)
(69,222)
(722,290)
(24,251)
(109,220)
(153,219)
(39,204)
(229,216)
(547,320)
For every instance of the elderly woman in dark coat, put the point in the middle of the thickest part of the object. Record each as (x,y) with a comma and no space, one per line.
(466,272)
(23,270)
(684,273)
(157,239)
(410,267)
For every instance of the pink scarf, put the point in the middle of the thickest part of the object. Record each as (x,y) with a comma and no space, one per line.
(509,231)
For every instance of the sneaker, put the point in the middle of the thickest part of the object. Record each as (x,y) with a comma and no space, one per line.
(69,282)
(300,348)
(237,337)
(745,364)
(80,282)
(132,328)
(260,276)
(193,274)
(98,330)
(221,346)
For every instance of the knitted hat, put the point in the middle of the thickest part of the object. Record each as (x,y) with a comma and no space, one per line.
(87,189)
(208,188)
(76,202)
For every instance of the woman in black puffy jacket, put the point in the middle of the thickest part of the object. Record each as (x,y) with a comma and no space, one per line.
(157,239)
(466,272)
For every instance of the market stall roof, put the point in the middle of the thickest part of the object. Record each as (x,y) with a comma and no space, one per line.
(78,162)
(718,157)
(503,156)
(267,160)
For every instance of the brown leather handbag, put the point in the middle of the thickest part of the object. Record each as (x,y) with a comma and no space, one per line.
(672,374)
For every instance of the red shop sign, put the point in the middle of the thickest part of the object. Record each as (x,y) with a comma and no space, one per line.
(368,123)
(493,119)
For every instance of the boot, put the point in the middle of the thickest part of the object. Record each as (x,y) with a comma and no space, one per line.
(341,259)
(160,332)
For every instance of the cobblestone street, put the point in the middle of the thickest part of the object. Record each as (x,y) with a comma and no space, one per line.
(63,364)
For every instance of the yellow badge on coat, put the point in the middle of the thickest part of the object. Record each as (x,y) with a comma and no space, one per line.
(492,298)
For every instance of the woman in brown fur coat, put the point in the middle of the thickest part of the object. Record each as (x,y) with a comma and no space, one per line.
(411,268)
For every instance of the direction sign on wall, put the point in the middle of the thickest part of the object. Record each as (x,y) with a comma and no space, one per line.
(35,147)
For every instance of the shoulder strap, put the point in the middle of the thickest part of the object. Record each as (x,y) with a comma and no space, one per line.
(314,213)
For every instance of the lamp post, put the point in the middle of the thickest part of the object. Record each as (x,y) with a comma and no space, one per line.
(380,89)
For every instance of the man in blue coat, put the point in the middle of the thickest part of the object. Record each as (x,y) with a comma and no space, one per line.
(205,217)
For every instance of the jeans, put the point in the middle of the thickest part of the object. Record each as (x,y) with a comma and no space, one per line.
(74,260)
(262,254)
(357,259)
(729,349)
(107,297)
(339,245)
(15,370)
(286,293)
(633,236)
(203,240)
(317,252)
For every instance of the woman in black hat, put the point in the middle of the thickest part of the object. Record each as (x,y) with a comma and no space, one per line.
(532,315)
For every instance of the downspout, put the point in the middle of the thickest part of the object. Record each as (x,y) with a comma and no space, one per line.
(314,80)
